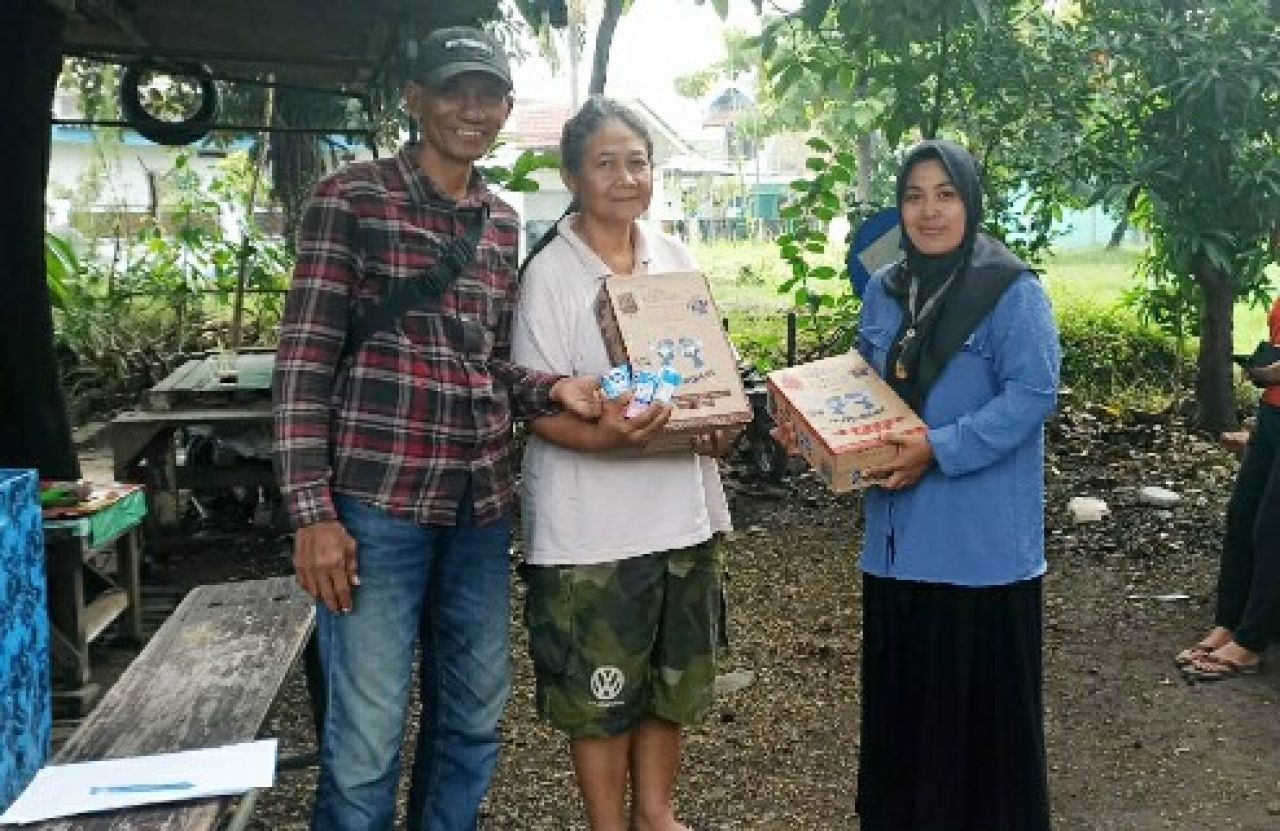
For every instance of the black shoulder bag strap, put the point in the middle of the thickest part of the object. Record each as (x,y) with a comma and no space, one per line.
(455,255)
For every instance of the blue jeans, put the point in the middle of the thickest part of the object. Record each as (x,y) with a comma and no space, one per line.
(446,588)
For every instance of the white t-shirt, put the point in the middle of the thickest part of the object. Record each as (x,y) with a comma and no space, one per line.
(580,507)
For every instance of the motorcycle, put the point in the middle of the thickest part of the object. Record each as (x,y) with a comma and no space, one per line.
(763,458)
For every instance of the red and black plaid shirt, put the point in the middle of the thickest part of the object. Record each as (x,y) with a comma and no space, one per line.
(424,410)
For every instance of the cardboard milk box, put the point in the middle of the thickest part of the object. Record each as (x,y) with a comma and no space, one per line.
(656,320)
(841,412)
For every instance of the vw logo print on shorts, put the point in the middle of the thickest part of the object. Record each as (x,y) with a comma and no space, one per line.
(606,683)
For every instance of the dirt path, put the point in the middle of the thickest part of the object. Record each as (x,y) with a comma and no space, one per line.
(1131,746)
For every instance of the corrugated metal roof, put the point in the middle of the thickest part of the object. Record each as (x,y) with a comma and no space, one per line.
(341,45)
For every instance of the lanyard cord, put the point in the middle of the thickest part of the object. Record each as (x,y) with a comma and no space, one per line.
(914,316)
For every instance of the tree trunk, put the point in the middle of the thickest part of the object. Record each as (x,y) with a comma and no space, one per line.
(34,429)
(1122,227)
(1215,397)
(866,161)
(604,43)
(1118,232)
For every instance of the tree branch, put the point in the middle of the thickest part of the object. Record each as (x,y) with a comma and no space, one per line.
(604,43)
(935,118)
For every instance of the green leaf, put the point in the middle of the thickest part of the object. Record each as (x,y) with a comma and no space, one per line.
(530,160)
(60,268)
(813,12)
(787,77)
(818,144)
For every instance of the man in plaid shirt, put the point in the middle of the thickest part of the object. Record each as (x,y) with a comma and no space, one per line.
(393,450)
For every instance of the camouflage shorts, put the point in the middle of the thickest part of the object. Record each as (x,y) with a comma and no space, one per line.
(615,643)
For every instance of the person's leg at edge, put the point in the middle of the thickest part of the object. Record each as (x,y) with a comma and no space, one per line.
(655,761)
(367,660)
(465,674)
(1236,571)
(1261,614)
(601,767)
(1236,568)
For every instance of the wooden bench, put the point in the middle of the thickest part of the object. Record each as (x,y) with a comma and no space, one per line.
(207,678)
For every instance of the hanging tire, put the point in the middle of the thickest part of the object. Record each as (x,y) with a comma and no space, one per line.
(170,133)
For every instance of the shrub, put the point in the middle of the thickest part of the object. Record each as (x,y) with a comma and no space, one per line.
(1108,353)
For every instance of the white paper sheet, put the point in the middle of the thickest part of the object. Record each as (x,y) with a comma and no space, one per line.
(87,787)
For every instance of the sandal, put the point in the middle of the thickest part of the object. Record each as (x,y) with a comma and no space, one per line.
(1215,668)
(1188,656)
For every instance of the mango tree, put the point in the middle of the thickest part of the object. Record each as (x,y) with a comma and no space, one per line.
(1185,125)
(1002,78)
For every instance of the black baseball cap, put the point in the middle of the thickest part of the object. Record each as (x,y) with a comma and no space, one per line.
(446,53)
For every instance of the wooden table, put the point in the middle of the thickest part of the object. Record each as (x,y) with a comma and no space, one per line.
(208,678)
(84,599)
(143,445)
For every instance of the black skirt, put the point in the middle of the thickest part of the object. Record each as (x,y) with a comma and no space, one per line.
(952,708)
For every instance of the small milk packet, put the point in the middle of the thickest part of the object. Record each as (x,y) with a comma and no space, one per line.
(645,385)
(616,381)
(668,379)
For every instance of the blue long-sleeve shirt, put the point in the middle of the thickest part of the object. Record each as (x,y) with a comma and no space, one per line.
(976,518)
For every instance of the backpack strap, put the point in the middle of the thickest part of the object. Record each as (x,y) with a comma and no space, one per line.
(454,256)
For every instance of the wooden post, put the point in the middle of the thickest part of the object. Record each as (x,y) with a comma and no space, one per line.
(34,429)
(791,338)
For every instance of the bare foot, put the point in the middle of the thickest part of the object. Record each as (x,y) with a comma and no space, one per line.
(1217,638)
(668,824)
(1237,654)
(1226,661)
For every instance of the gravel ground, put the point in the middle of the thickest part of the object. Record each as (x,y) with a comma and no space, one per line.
(1131,746)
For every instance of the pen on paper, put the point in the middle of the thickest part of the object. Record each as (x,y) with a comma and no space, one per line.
(144,787)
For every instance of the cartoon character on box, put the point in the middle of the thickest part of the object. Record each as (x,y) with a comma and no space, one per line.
(841,404)
(692,349)
(666,349)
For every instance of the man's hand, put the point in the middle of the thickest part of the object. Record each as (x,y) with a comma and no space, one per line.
(784,434)
(718,442)
(579,394)
(1235,441)
(619,431)
(324,559)
(1264,376)
(914,457)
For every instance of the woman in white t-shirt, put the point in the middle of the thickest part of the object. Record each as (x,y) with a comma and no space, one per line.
(620,555)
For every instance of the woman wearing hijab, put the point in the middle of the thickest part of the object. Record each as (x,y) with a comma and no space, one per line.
(952,561)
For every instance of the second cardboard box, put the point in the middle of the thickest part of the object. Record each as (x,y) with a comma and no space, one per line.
(841,413)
